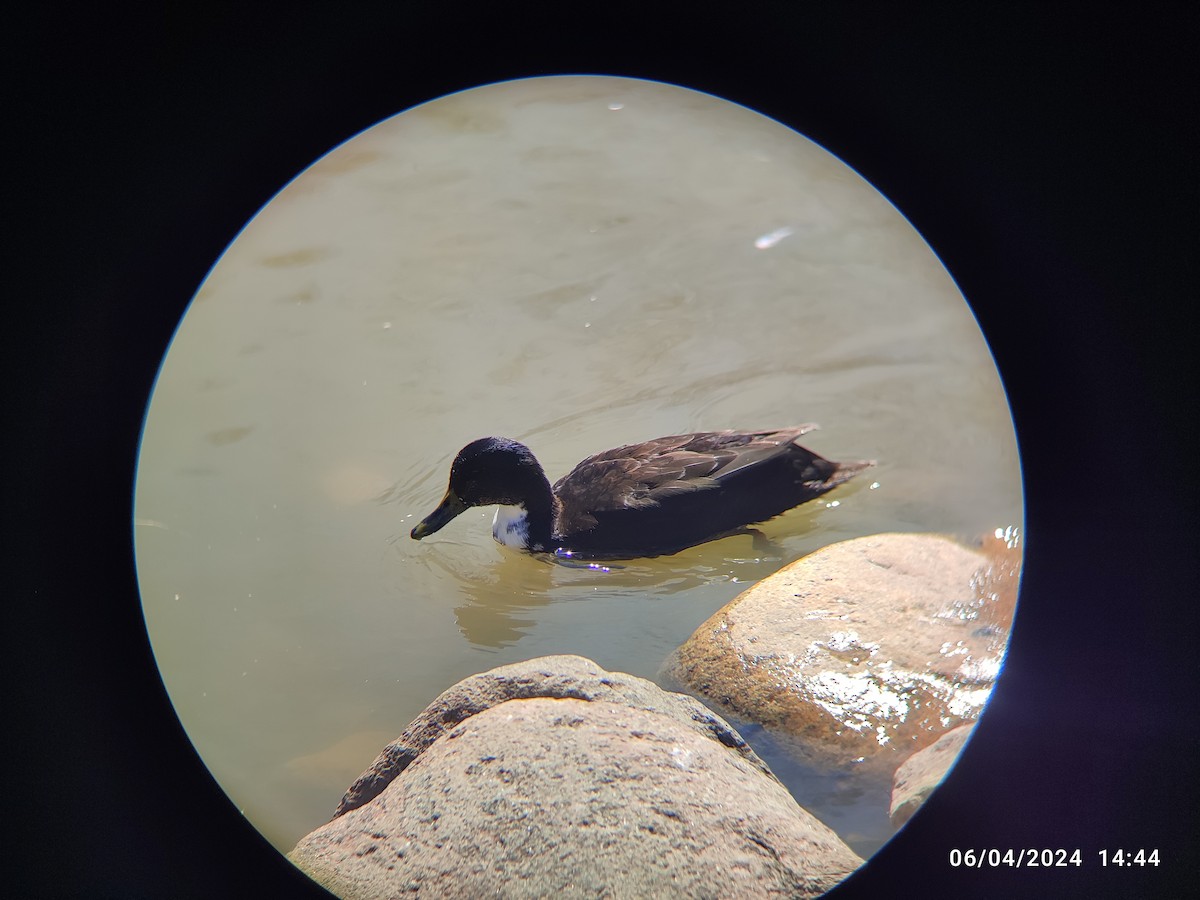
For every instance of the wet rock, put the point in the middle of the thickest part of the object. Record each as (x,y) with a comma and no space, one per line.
(924,771)
(628,794)
(866,650)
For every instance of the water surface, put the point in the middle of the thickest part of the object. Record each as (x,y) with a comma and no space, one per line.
(577,263)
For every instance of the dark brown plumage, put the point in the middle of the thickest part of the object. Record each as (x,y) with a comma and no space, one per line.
(646,499)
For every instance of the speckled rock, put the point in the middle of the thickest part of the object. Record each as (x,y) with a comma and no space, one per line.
(866,650)
(578,798)
(556,677)
(916,779)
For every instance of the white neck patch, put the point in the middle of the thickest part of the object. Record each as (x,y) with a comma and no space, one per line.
(511,526)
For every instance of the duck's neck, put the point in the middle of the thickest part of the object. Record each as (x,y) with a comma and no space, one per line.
(528,524)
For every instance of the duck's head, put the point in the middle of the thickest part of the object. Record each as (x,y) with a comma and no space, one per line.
(487,472)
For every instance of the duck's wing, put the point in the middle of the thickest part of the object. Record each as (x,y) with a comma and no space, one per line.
(643,475)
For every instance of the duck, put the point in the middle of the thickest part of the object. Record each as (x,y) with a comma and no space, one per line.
(649,499)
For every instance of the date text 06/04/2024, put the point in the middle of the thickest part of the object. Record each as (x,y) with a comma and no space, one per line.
(1035,858)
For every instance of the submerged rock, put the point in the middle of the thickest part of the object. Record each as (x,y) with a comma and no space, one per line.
(866,650)
(916,779)
(555,777)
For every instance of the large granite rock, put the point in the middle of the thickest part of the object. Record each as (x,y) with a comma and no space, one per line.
(557,677)
(864,651)
(582,783)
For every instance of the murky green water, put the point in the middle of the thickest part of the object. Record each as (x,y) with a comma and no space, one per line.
(577,263)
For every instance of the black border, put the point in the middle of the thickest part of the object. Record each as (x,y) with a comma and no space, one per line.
(1049,158)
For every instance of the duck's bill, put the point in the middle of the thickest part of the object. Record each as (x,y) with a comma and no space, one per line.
(450,507)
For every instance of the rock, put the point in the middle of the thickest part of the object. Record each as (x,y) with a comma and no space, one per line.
(924,771)
(866,650)
(561,677)
(624,795)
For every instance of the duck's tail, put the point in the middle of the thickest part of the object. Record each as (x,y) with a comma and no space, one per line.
(822,474)
(847,470)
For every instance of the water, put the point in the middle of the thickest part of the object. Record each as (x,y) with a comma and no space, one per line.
(577,263)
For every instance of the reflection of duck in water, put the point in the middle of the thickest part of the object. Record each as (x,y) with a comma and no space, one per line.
(641,499)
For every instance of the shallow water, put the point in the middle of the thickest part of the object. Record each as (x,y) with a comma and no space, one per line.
(577,263)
